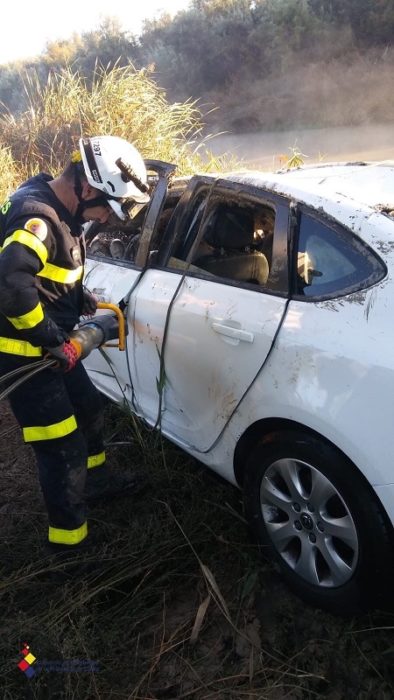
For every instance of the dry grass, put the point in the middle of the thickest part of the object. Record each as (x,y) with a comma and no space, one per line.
(177,603)
(9,176)
(123,101)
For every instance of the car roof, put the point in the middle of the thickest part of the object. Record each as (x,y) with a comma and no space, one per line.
(369,185)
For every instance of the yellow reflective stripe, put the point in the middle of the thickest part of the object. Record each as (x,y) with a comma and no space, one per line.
(31,241)
(58,536)
(50,432)
(19,347)
(96,460)
(28,320)
(61,274)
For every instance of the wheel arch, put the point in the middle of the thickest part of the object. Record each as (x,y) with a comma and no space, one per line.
(258,431)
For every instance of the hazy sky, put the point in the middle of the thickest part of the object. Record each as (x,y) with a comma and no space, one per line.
(27,26)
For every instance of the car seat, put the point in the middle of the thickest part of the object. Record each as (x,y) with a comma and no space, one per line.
(230,233)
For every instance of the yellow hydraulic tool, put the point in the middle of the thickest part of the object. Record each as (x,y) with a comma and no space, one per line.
(88,336)
(121,320)
(97,331)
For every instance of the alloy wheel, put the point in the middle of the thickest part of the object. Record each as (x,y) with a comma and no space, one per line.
(309,523)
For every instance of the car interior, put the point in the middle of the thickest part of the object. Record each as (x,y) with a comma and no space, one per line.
(234,243)
(228,247)
(118,241)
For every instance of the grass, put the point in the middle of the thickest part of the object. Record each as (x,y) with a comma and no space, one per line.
(9,176)
(123,101)
(177,603)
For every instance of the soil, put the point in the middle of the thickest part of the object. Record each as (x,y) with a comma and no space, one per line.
(171,600)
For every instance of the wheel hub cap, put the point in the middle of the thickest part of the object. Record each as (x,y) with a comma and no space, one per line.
(307,521)
(321,548)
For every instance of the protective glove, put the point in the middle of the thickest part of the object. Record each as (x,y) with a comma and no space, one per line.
(67,355)
(89,306)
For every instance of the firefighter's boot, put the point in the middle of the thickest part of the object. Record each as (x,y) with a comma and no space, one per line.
(103,484)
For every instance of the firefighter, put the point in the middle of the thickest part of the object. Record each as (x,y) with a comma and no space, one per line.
(41,300)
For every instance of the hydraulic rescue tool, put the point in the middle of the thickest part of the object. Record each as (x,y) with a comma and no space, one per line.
(99,330)
(90,335)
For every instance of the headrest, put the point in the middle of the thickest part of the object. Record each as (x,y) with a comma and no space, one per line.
(231,228)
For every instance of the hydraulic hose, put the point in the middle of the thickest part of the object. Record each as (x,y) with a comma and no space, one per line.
(25,377)
(20,370)
(88,336)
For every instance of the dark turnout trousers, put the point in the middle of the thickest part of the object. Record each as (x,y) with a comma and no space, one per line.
(61,416)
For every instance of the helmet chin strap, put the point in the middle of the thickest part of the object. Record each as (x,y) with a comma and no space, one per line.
(99,201)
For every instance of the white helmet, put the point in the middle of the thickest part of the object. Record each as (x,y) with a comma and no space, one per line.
(114,166)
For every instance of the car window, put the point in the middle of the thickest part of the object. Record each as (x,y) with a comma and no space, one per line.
(231,240)
(332,262)
(114,240)
(190,227)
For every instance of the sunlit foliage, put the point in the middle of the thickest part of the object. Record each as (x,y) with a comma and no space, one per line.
(122,101)
(265,64)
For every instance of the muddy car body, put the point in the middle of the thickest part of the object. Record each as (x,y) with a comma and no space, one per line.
(259,308)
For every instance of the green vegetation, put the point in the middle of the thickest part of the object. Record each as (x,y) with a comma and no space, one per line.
(254,64)
(122,101)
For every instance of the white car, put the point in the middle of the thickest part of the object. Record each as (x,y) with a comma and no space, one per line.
(260,309)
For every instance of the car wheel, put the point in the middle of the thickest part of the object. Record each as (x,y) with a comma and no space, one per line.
(317,517)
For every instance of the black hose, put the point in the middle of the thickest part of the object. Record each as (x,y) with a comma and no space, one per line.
(38,367)
(20,370)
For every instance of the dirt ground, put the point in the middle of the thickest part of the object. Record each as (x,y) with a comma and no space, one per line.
(172,600)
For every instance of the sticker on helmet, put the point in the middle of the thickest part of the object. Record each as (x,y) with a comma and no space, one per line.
(38,227)
(96,177)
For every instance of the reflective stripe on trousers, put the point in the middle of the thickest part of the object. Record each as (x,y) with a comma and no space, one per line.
(12,346)
(61,417)
(96,460)
(59,536)
(50,432)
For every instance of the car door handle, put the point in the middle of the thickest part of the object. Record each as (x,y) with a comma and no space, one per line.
(230,332)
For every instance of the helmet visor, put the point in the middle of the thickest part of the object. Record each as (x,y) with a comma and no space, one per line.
(116,206)
(125,208)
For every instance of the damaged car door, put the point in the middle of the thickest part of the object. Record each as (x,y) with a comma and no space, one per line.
(207,312)
(114,264)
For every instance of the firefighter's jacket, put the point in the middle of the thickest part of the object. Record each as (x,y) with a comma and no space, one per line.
(41,270)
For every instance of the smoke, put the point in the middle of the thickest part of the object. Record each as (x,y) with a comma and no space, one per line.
(269,150)
(335,110)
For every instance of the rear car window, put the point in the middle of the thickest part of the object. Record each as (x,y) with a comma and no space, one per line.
(331,262)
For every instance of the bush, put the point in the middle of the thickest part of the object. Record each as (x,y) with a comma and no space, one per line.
(8,173)
(122,101)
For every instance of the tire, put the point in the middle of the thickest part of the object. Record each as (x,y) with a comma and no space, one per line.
(316,516)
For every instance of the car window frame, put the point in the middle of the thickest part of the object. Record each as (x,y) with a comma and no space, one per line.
(196,185)
(163,173)
(341,231)
(222,189)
